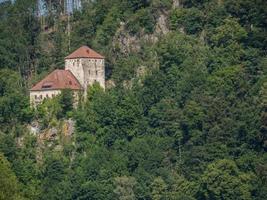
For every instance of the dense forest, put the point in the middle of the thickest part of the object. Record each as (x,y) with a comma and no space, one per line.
(184,115)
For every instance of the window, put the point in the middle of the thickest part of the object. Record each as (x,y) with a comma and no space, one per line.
(47,85)
(41,96)
(53,95)
(89,72)
(70,82)
(35,96)
(47,96)
(96,72)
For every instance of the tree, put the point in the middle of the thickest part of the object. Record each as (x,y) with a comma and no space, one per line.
(182,189)
(66,101)
(263,129)
(190,20)
(9,186)
(14,105)
(223,180)
(231,31)
(159,189)
(124,187)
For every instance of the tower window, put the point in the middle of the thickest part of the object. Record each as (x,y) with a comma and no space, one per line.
(89,72)
(96,72)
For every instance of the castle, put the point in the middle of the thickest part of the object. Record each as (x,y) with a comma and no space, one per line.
(83,68)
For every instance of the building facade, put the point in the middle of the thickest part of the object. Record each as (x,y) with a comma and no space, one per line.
(83,67)
(87,66)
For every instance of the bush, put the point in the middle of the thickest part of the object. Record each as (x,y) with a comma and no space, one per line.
(190,19)
(143,18)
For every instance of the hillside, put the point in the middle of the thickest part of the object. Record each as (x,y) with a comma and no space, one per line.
(184,115)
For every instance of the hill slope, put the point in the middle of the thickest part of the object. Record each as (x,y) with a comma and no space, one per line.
(184,116)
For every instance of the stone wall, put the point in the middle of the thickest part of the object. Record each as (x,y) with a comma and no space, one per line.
(87,71)
(75,66)
(36,97)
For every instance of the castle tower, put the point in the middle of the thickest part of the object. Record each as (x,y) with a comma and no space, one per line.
(87,66)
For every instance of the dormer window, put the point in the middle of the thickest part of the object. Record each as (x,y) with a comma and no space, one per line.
(47,85)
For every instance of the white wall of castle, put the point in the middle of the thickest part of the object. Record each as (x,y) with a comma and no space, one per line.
(37,97)
(87,71)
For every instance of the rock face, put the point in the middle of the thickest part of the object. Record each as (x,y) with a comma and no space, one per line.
(127,43)
(52,138)
(68,127)
(162,26)
(34,128)
(176,4)
(64,129)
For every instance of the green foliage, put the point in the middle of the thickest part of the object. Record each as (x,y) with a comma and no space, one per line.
(124,188)
(9,186)
(143,18)
(158,189)
(191,125)
(14,106)
(221,177)
(125,68)
(228,33)
(263,127)
(66,101)
(55,183)
(108,28)
(161,4)
(137,4)
(190,20)
(48,112)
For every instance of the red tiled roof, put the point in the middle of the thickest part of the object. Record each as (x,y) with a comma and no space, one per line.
(84,52)
(58,79)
